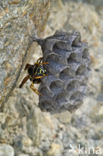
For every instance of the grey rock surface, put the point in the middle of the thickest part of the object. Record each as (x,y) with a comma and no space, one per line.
(17,23)
(6,150)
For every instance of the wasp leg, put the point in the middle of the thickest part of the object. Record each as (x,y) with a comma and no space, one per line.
(39,61)
(24,81)
(39,77)
(34,89)
(44,63)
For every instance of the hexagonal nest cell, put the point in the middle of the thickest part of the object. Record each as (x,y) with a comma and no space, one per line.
(68,59)
(56,86)
(66,73)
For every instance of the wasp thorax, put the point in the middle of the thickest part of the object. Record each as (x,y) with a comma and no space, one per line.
(40,71)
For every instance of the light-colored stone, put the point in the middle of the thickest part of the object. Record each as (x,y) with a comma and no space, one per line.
(23,155)
(64,117)
(27,141)
(55,150)
(6,150)
(18,21)
(41,126)
(2,117)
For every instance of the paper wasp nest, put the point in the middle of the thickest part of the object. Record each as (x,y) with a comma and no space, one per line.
(66,83)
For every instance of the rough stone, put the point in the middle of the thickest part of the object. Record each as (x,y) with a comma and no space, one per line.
(64,117)
(6,150)
(23,155)
(18,20)
(55,150)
